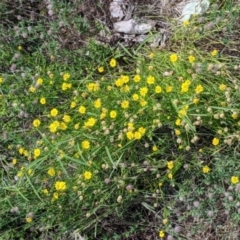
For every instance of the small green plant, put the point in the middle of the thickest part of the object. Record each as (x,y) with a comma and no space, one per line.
(101,144)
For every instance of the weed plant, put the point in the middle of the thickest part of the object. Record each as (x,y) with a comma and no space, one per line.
(117,146)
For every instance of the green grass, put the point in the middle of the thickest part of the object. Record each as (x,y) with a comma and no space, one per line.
(117,145)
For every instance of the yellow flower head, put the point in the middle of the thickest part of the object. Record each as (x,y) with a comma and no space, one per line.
(113,63)
(101,69)
(29,219)
(113,114)
(82,109)
(54,112)
(150,80)
(154,148)
(199,89)
(36,123)
(215,141)
(234,179)
(39,81)
(85,144)
(90,122)
(222,87)
(66,76)
(97,103)
(214,52)
(158,89)
(42,100)
(51,172)
(143,91)
(137,78)
(87,175)
(170,165)
(185,23)
(60,186)
(173,57)
(191,58)
(36,153)
(125,104)
(161,234)
(206,169)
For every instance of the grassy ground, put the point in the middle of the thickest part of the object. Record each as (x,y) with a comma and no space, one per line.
(118,144)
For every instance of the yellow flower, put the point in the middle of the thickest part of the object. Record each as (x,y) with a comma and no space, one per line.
(234,115)
(85,144)
(21,150)
(60,186)
(170,165)
(215,141)
(173,57)
(51,172)
(151,55)
(54,112)
(97,103)
(54,126)
(101,69)
(129,135)
(66,86)
(185,86)
(206,169)
(32,89)
(90,122)
(36,122)
(113,63)
(19,48)
(137,135)
(125,104)
(199,89)
(87,175)
(113,114)
(143,91)
(135,97)
(39,81)
(66,76)
(36,153)
(170,176)
(14,161)
(169,89)
(73,104)
(29,219)
(1,80)
(154,148)
(214,52)
(93,87)
(143,102)
(125,78)
(142,130)
(82,109)
(161,234)
(177,132)
(222,87)
(137,78)
(45,191)
(76,126)
(182,113)
(178,122)
(42,100)
(158,89)
(150,80)
(234,179)
(66,118)
(55,196)
(185,23)
(195,100)
(165,221)
(191,58)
